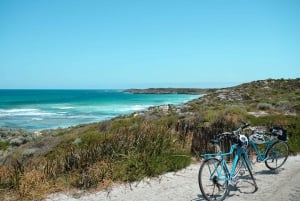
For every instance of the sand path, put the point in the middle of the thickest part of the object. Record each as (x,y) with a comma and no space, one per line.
(183,186)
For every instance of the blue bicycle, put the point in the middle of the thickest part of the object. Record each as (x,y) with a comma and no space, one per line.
(215,174)
(275,151)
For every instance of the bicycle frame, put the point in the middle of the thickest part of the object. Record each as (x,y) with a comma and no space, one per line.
(229,172)
(261,156)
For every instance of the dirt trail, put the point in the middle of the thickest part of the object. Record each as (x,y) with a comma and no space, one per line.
(183,185)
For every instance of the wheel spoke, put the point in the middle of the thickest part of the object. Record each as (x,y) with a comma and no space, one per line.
(277,155)
(212,180)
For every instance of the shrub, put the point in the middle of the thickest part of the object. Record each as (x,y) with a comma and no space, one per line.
(97,173)
(34,185)
(6,180)
(264,106)
(4,145)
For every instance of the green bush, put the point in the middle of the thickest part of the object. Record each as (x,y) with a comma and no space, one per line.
(132,152)
(264,106)
(4,145)
(136,167)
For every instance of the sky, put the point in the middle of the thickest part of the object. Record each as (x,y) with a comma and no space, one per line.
(101,44)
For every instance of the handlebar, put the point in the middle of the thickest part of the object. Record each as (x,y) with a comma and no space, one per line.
(245,126)
(235,133)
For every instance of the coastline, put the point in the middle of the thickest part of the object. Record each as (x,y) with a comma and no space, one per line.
(44,109)
(137,108)
(171,90)
(12,138)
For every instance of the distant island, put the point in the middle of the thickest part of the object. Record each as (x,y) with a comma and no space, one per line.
(170,91)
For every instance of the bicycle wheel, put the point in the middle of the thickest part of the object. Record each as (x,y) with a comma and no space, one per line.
(277,155)
(213,180)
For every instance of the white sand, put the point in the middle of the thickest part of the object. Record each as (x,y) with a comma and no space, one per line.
(183,185)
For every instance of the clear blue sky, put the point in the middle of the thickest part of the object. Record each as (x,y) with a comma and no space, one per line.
(153,43)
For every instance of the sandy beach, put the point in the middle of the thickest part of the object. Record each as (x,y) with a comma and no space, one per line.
(283,184)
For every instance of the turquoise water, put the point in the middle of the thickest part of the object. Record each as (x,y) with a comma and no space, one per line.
(44,109)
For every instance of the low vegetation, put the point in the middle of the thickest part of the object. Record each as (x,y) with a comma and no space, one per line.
(144,144)
(96,158)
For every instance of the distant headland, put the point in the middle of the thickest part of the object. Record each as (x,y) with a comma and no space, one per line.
(170,91)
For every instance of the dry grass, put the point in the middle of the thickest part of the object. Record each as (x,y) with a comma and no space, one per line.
(33,185)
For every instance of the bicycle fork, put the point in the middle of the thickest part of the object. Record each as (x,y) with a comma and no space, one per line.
(243,157)
(246,164)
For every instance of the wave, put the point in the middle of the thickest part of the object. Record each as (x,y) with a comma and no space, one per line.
(23,112)
(36,119)
(139,107)
(67,108)
(63,107)
(129,108)
(81,116)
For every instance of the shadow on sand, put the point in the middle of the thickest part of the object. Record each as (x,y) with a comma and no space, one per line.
(199,198)
(245,185)
(269,172)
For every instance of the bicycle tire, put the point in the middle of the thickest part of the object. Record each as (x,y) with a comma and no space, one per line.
(213,176)
(276,155)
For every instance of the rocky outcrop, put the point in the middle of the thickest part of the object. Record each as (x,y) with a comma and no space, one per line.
(11,138)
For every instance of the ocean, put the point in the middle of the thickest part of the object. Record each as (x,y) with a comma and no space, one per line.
(48,109)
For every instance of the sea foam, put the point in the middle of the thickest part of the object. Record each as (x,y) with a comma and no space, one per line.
(43,109)
(23,112)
